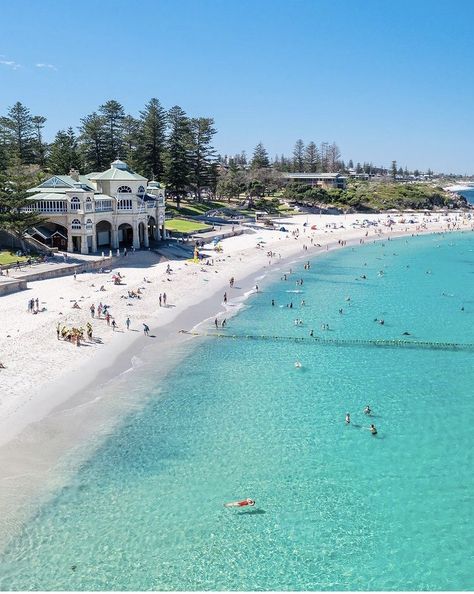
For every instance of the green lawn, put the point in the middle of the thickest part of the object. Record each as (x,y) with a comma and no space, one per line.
(7,257)
(183,226)
(192,208)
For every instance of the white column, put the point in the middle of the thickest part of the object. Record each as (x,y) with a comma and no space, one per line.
(84,245)
(146,241)
(69,242)
(136,237)
(94,241)
(114,238)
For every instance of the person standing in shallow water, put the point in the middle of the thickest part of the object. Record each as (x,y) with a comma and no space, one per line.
(225,297)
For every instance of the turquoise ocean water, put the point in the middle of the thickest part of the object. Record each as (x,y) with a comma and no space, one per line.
(337,509)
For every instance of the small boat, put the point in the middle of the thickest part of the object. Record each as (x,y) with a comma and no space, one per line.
(242,503)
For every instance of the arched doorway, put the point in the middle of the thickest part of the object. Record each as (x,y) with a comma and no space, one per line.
(151,228)
(103,230)
(125,235)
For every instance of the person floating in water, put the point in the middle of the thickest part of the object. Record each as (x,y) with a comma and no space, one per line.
(367,410)
(348,419)
(373,429)
(242,503)
(311,333)
(273,302)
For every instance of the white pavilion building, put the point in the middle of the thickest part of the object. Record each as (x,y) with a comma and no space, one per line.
(87,213)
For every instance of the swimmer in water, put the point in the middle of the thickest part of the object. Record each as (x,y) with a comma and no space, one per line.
(367,410)
(311,333)
(348,418)
(373,429)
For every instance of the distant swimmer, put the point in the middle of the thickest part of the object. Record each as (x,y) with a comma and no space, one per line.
(373,429)
(242,503)
(367,410)
(348,418)
(381,322)
(311,333)
(406,334)
(298,364)
(273,302)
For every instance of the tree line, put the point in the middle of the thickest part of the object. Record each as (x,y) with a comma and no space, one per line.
(166,145)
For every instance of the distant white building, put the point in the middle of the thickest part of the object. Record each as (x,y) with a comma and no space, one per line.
(325,180)
(87,213)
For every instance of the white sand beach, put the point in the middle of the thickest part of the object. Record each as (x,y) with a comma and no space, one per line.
(41,371)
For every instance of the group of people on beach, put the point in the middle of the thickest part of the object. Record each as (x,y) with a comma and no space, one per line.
(33,305)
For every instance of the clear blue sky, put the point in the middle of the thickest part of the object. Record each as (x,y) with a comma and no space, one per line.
(384,79)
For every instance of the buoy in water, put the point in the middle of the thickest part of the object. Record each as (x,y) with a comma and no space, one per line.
(298,364)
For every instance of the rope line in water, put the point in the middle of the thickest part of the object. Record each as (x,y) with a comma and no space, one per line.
(413,344)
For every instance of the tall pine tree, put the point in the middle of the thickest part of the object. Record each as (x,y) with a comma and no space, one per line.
(298,156)
(202,153)
(21,133)
(113,115)
(64,154)
(93,142)
(178,170)
(260,158)
(152,140)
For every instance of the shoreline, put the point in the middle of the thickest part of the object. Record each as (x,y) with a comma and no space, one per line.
(32,448)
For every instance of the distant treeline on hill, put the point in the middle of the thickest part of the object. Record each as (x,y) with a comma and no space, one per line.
(365,196)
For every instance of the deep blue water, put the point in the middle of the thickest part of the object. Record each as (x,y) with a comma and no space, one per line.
(469,195)
(337,509)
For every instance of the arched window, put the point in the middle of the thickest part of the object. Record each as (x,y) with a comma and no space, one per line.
(89,204)
(76,224)
(124,190)
(141,190)
(75,203)
(89,225)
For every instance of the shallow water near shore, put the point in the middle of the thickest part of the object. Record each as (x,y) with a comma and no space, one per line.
(337,509)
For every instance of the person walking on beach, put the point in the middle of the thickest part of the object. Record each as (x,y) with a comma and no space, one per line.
(231,282)
(58,330)
(127,323)
(107,318)
(37,303)
(99,309)
(92,308)
(146,330)
(225,297)
(114,325)
(224,322)
(216,323)
(164,299)
(159,299)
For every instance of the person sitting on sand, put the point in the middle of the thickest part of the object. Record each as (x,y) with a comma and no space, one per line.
(2,366)
(76,305)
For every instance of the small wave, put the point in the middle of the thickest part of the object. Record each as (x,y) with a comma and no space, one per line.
(137,362)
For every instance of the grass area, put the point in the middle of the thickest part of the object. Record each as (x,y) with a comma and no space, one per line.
(192,208)
(7,257)
(183,226)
